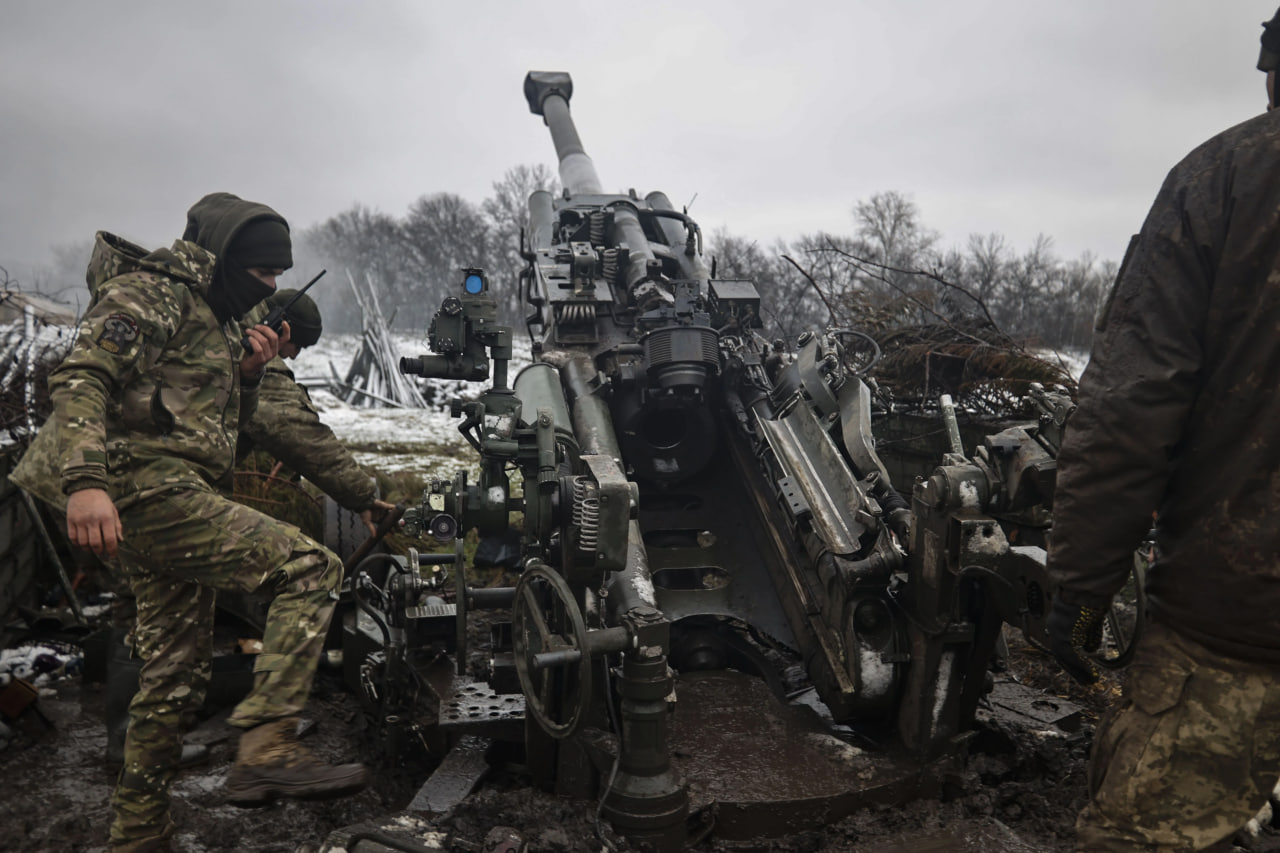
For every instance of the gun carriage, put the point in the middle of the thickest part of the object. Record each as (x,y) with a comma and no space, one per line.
(700,507)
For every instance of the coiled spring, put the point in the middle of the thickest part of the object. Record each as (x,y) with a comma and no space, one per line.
(610,265)
(597,224)
(575,313)
(586,514)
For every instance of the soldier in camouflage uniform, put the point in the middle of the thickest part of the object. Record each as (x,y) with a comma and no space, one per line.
(287,425)
(1177,413)
(138,453)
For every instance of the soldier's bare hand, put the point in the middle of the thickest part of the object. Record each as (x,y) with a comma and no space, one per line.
(373,516)
(93,522)
(264,344)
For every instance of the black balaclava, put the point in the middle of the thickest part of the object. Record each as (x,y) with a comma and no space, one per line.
(303,317)
(263,243)
(241,234)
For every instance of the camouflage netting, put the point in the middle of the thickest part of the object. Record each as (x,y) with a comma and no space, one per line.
(983,370)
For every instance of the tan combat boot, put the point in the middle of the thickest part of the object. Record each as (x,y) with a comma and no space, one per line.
(270,763)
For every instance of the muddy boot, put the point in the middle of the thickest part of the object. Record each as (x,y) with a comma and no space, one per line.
(122,684)
(270,763)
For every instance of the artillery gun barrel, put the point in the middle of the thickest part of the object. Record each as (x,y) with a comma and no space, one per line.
(548,94)
(577,171)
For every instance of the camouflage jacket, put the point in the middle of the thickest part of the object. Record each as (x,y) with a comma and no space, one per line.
(287,426)
(149,398)
(1179,405)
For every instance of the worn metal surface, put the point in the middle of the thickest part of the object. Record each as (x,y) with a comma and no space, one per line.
(709,550)
(814,465)
(457,776)
(472,707)
(771,769)
(1027,707)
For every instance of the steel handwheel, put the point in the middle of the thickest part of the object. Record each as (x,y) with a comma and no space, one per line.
(550,636)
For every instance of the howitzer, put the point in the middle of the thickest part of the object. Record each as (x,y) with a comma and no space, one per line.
(704,514)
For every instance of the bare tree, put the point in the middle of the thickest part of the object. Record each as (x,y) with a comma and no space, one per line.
(983,265)
(889,272)
(443,233)
(507,212)
(366,243)
(886,290)
(788,303)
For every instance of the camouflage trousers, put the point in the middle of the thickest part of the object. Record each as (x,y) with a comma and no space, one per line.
(179,548)
(1188,757)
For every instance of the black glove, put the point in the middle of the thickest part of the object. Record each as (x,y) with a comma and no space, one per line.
(1075,630)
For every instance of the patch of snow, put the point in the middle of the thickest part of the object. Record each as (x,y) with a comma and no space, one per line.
(642,584)
(834,748)
(1074,361)
(423,441)
(875,675)
(40,662)
(206,782)
(942,689)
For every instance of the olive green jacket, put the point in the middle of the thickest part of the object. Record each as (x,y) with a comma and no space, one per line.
(287,426)
(150,396)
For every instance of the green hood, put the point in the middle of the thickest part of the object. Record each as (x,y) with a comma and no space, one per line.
(213,223)
(113,256)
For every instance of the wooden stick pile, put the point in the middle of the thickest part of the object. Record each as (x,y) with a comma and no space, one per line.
(374,378)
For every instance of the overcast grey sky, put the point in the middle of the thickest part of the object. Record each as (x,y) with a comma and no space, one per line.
(1013,116)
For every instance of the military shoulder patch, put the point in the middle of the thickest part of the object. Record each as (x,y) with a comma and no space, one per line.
(118,332)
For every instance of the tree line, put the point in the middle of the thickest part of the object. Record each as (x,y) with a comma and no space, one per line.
(413,261)
(890,271)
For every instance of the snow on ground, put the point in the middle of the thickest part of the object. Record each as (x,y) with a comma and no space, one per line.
(423,441)
(26,349)
(427,441)
(40,662)
(1073,360)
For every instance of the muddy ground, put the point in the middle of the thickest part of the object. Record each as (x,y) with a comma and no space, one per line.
(1018,791)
